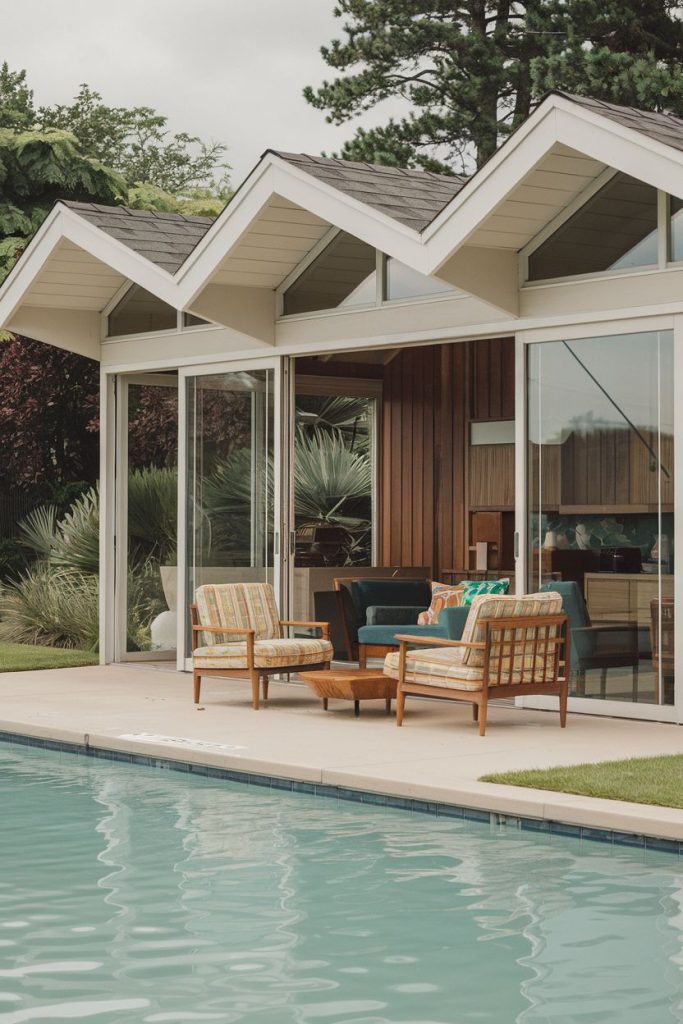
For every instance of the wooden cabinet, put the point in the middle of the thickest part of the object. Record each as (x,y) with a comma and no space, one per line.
(613,597)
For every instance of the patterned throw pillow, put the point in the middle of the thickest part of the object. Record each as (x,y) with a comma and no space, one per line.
(472,588)
(444,595)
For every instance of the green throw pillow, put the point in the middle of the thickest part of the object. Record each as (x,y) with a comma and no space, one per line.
(472,588)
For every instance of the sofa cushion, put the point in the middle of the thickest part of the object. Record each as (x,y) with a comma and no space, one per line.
(391,615)
(387,634)
(444,595)
(237,606)
(498,606)
(267,654)
(435,667)
(473,588)
(387,592)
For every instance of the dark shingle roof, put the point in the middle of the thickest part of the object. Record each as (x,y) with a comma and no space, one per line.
(664,128)
(166,239)
(412,197)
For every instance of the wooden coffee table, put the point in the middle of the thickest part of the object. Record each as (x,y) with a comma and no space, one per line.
(351,684)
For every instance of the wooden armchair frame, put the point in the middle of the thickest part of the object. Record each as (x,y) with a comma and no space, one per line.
(255,674)
(531,638)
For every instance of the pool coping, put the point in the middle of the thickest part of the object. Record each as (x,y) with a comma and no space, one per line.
(610,822)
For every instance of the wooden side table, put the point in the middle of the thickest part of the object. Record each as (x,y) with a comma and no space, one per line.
(351,684)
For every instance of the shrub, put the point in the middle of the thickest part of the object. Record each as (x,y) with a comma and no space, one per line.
(50,606)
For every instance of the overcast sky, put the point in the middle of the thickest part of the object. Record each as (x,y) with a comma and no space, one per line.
(229,70)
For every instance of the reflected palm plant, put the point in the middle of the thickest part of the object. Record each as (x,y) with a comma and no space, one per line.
(332,488)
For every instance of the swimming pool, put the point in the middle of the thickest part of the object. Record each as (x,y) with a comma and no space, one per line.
(129,894)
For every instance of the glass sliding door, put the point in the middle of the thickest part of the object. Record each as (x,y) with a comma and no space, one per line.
(600,463)
(146,486)
(232,478)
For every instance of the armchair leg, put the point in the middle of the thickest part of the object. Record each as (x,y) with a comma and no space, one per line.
(362,656)
(254,676)
(475,712)
(400,705)
(603,683)
(264,683)
(197,685)
(482,717)
(563,703)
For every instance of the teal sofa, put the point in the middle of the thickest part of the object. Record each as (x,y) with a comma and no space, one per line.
(375,610)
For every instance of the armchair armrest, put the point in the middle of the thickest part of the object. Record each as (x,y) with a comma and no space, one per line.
(437,641)
(244,633)
(324,627)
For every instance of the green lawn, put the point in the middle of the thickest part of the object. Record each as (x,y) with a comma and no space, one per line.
(20,657)
(645,780)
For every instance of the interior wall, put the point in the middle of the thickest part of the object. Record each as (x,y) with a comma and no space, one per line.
(432,480)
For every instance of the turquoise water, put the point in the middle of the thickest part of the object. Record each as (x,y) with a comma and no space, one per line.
(131,894)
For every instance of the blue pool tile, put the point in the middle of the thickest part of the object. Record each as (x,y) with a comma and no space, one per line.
(476,814)
(303,787)
(321,789)
(628,839)
(561,828)
(534,825)
(378,799)
(597,835)
(450,811)
(277,783)
(665,845)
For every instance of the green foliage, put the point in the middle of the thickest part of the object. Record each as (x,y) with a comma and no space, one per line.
(52,607)
(137,143)
(153,513)
(37,167)
(330,478)
(16,100)
(464,75)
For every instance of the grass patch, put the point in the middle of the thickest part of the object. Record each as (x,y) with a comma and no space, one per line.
(643,780)
(22,657)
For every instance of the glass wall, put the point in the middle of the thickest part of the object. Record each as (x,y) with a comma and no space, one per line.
(230,478)
(152,460)
(615,229)
(601,467)
(139,312)
(343,274)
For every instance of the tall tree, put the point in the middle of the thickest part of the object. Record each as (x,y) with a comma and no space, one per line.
(136,142)
(466,73)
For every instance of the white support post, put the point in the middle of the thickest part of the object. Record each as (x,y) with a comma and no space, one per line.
(678,518)
(120,517)
(521,513)
(182,596)
(107,516)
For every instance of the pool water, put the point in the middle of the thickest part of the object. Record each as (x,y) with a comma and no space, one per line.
(132,894)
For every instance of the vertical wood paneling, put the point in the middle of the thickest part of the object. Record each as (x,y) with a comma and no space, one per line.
(430,394)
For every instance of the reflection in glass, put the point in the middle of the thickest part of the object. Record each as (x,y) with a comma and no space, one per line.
(405,283)
(343,274)
(139,312)
(152,515)
(230,503)
(601,506)
(615,229)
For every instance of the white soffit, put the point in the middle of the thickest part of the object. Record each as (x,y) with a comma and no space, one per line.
(276,241)
(558,179)
(72,278)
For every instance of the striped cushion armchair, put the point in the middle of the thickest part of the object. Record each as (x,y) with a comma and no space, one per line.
(510,646)
(236,630)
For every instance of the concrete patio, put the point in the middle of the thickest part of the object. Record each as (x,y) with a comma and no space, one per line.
(436,756)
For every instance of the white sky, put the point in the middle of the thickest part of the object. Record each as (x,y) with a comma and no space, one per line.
(228,70)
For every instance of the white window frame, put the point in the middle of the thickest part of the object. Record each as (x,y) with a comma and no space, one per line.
(609,708)
(663,238)
(184,657)
(180,327)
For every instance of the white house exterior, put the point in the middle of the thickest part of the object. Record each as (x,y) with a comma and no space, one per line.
(566,241)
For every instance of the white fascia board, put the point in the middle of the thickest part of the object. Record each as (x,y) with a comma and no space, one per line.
(275,176)
(61,223)
(557,120)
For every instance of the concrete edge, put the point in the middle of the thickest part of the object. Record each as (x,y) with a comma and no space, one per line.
(591,813)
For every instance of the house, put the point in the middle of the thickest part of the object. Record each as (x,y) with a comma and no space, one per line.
(508,347)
